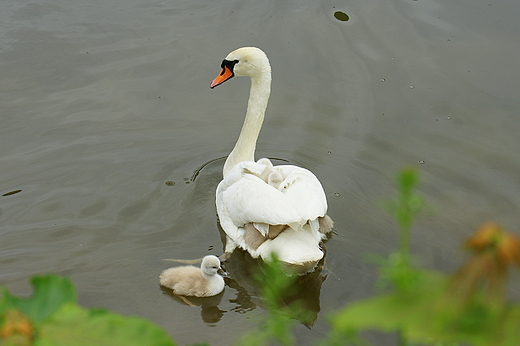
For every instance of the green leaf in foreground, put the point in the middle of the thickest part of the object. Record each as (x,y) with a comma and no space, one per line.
(50,292)
(390,312)
(51,317)
(73,325)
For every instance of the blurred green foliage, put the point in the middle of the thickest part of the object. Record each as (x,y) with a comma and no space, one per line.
(431,308)
(51,317)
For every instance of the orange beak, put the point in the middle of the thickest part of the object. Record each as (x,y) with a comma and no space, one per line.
(224,75)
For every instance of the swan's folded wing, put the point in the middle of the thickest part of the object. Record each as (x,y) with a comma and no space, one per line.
(239,170)
(250,199)
(304,191)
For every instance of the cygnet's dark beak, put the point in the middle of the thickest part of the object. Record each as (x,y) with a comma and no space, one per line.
(222,272)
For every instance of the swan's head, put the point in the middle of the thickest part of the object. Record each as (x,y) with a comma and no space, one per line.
(210,265)
(246,61)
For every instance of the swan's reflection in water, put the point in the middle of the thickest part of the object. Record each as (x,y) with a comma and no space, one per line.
(243,272)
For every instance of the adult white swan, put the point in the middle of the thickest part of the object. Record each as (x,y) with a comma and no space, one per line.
(264,208)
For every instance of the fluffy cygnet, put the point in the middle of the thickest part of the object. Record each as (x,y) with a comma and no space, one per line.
(193,281)
(270,175)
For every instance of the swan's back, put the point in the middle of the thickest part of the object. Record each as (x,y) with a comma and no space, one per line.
(281,209)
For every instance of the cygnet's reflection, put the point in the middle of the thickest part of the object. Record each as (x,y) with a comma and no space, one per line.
(210,312)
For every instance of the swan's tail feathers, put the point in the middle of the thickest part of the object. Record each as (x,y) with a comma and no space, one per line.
(326,224)
(275,230)
(263,228)
(314,225)
(299,248)
(257,233)
(229,248)
(253,237)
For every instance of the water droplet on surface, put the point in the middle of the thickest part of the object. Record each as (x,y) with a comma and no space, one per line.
(421,162)
(329,152)
(383,80)
(342,16)
(448,117)
(411,86)
(170,183)
(336,194)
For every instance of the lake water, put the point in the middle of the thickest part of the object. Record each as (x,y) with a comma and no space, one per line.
(112,134)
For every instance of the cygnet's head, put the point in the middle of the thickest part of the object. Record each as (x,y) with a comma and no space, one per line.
(245,61)
(210,265)
(275,179)
(265,161)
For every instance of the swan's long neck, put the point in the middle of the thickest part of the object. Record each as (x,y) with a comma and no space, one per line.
(244,149)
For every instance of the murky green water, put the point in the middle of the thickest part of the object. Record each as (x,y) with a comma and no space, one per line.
(106,113)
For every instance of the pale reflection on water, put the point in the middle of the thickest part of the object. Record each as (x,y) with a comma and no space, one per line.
(107,113)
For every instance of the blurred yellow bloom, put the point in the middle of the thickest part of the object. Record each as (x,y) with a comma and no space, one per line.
(504,246)
(16,327)
(494,251)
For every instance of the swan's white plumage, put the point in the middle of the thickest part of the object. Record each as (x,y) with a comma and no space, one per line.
(264,196)
(251,199)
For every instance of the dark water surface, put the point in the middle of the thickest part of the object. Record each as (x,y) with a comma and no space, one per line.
(106,113)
